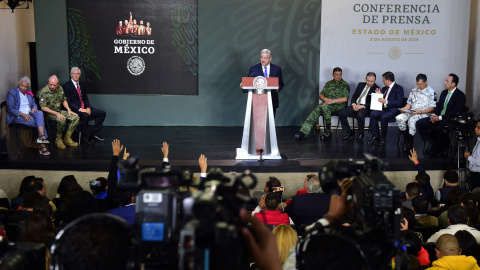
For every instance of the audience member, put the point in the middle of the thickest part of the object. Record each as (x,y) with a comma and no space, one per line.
(25,186)
(305,184)
(334,97)
(457,220)
(468,244)
(126,210)
(414,247)
(359,108)
(453,198)
(99,188)
(271,185)
(451,181)
(20,218)
(52,98)
(448,253)
(271,215)
(67,182)
(469,201)
(286,239)
(301,210)
(392,100)
(40,187)
(412,190)
(473,158)
(22,109)
(423,179)
(420,208)
(79,203)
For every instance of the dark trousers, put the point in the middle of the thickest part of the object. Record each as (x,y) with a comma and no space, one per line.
(96,114)
(384,116)
(474,180)
(350,112)
(433,132)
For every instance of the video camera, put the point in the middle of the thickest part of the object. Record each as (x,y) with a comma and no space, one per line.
(193,230)
(462,125)
(377,206)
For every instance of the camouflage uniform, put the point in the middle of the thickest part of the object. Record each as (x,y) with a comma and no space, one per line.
(331,90)
(54,100)
(418,100)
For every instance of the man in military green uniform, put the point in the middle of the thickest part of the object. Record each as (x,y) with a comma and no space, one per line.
(51,99)
(334,95)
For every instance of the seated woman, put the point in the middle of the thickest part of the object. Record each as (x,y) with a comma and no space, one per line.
(22,109)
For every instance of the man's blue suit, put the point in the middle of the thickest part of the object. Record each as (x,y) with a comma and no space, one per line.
(395,99)
(275,71)
(437,137)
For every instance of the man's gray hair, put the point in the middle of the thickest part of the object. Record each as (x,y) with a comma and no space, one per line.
(75,68)
(266,51)
(24,79)
(314,185)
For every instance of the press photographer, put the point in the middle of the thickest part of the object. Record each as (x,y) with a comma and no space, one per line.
(473,158)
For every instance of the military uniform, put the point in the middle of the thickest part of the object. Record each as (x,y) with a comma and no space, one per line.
(54,101)
(331,90)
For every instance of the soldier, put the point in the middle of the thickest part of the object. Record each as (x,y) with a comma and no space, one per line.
(51,99)
(420,103)
(334,95)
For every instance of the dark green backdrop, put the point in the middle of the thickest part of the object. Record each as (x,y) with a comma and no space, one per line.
(231,35)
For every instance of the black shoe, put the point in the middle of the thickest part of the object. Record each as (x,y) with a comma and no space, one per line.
(374,140)
(347,135)
(382,142)
(95,137)
(299,136)
(85,141)
(360,137)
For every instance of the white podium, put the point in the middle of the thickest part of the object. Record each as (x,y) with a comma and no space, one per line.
(259,135)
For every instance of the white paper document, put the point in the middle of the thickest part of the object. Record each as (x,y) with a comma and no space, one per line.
(375,104)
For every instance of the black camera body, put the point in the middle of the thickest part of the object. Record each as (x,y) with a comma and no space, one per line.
(377,205)
(462,125)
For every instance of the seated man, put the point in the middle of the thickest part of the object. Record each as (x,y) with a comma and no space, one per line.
(420,208)
(392,100)
(272,216)
(305,185)
(420,104)
(412,190)
(457,221)
(448,253)
(22,109)
(77,99)
(301,210)
(334,96)
(451,181)
(452,101)
(360,107)
(52,99)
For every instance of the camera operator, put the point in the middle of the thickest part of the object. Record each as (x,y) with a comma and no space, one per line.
(474,160)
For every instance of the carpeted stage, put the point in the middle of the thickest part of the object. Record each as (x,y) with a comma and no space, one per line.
(219,145)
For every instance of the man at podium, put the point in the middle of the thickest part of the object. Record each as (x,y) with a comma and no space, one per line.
(266,69)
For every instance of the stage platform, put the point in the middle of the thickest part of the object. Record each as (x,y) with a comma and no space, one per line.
(219,145)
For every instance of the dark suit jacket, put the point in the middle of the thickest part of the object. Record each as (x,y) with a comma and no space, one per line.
(308,208)
(455,104)
(275,71)
(395,98)
(73,99)
(359,91)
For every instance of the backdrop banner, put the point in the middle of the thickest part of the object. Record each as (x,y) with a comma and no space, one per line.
(135,47)
(406,37)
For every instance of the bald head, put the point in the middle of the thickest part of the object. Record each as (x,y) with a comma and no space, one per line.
(447,245)
(53,82)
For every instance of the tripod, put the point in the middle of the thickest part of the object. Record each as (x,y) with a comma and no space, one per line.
(457,153)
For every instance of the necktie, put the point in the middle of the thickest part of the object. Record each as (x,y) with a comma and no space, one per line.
(386,93)
(80,96)
(365,91)
(265,73)
(446,102)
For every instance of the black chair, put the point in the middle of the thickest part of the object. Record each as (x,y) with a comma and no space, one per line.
(16,126)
